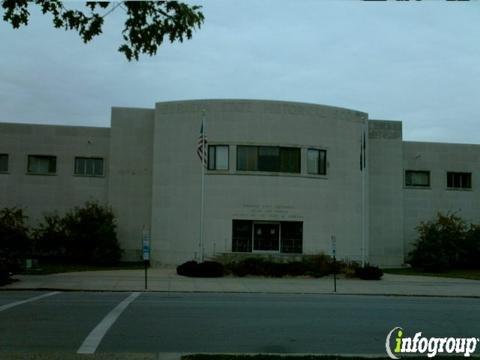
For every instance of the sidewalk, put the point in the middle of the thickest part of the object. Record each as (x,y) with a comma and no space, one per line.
(167,280)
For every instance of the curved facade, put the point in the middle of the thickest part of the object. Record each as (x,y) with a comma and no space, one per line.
(283,178)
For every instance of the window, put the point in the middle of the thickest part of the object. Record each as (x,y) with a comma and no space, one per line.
(218,157)
(42,164)
(459,180)
(268,158)
(292,235)
(242,236)
(417,178)
(88,166)
(316,162)
(284,236)
(3,162)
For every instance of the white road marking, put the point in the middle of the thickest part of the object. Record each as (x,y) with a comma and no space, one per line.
(16,303)
(95,337)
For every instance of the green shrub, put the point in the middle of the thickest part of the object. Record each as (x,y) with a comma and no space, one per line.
(203,269)
(446,243)
(369,272)
(50,239)
(15,244)
(316,266)
(84,235)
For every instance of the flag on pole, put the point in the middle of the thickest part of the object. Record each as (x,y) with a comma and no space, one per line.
(202,145)
(363,153)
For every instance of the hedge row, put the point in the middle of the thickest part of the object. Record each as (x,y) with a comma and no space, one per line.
(313,266)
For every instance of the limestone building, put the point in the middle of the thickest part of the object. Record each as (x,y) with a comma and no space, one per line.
(282,178)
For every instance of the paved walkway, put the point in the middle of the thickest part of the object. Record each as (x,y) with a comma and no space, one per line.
(168,281)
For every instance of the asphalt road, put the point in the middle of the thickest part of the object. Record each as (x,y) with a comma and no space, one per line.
(254,323)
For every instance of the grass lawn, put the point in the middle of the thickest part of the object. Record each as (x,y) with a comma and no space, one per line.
(46,268)
(462,274)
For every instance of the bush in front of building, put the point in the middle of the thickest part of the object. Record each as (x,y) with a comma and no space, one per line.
(315,266)
(204,269)
(369,272)
(446,243)
(15,244)
(84,235)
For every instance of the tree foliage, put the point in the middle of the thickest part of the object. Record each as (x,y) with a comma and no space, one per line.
(446,243)
(85,235)
(15,245)
(147,23)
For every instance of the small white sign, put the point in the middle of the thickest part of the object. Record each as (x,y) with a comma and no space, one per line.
(146,246)
(334,244)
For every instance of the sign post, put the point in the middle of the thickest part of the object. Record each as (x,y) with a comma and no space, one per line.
(146,253)
(334,251)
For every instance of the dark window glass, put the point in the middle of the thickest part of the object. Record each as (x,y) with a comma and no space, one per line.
(292,237)
(42,164)
(290,160)
(417,178)
(268,159)
(88,166)
(247,158)
(241,236)
(3,162)
(459,180)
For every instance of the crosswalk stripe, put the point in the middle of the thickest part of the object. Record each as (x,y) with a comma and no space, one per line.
(35,298)
(91,342)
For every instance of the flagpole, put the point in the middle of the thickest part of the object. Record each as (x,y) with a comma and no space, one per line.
(202,210)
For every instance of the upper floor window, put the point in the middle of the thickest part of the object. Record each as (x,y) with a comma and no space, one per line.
(268,158)
(42,164)
(218,157)
(88,166)
(317,162)
(459,180)
(3,162)
(417,178)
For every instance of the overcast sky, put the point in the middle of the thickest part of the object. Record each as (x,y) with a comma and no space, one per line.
(418,62)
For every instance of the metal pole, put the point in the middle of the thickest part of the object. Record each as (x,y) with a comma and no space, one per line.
(145,262)
(202,211)
(334,273)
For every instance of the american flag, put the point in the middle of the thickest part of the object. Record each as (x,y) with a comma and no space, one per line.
(202,146)
(363,152)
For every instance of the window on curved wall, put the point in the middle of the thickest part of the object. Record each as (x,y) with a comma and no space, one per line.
(317,162)
(218,157)
(268,159)
(3,162)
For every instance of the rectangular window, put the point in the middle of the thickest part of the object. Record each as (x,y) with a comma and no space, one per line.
(268,159)
(218,157)
(285,236)
(242,236)
(417,178)
(42,164)
(247,157)
(3,162)
(317,162)
(292,236)
(459,180)
(88,166)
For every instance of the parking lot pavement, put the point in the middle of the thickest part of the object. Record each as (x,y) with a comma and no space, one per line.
(164,325)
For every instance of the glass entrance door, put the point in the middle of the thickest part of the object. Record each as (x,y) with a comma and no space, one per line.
(266,237)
